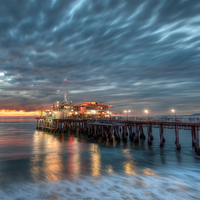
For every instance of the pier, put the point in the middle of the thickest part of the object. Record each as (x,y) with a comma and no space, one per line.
(121,130)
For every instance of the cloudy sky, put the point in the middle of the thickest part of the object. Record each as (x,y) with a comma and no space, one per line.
(131,54)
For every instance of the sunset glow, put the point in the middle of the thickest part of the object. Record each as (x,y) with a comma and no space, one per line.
(19,113)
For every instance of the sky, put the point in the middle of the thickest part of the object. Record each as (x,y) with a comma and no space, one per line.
(130,54)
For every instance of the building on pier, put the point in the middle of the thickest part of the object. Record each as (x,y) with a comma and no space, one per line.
(66,109)
(61,110)
(90,109)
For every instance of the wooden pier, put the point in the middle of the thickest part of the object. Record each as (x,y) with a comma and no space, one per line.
(121,129)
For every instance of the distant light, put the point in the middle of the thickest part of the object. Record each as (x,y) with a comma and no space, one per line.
(57,101)
(173,110)
(125,111)
(55,112)
(58,90)
(146,111)
(76,113)
(72,110)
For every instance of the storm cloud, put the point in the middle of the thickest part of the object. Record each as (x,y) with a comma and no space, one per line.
(130,54)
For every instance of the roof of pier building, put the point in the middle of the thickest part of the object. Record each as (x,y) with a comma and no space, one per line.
(92,104)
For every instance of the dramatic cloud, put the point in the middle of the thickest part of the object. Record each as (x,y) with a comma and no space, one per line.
(131,54)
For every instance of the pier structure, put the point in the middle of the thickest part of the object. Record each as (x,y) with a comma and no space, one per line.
(121,130)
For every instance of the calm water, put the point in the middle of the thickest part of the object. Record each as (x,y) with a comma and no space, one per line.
(37,165)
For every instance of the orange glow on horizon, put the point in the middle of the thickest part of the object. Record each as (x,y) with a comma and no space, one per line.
(19,113)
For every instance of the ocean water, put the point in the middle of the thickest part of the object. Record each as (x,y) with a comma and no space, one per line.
(41,165)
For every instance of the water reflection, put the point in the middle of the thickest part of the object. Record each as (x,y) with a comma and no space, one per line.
(179,157)
(46,149)
(129,166)
(53,159)
(95,160)
(109,169)
(37,142)
(63,138)
(74,163)
(35,167)
(52,167)
(162,156)
(149,172)
(17,119)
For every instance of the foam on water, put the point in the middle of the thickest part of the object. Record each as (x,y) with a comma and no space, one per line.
(107,187)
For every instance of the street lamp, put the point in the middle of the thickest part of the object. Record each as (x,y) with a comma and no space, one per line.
(147,112)
(127,111)
(174,111)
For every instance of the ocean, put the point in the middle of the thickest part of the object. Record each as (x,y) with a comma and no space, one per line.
(41,165)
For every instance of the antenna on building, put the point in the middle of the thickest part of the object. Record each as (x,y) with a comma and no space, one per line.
(65,91)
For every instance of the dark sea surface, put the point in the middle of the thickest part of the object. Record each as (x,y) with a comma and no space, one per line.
(41,165)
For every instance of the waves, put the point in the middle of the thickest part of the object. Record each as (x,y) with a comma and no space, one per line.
(146,186)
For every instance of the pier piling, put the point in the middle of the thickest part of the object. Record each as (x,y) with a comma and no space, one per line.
(136,139)
(161,136)
(178,146)
(149,130)
(193,136)
(197,140)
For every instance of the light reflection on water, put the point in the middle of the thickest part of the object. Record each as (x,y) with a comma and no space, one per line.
(53,163)
(52,160)
(149,172)
(95,160)
(51,149)
(109,169)
(74,163)
(52,167)
(129,168)
(43,144)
